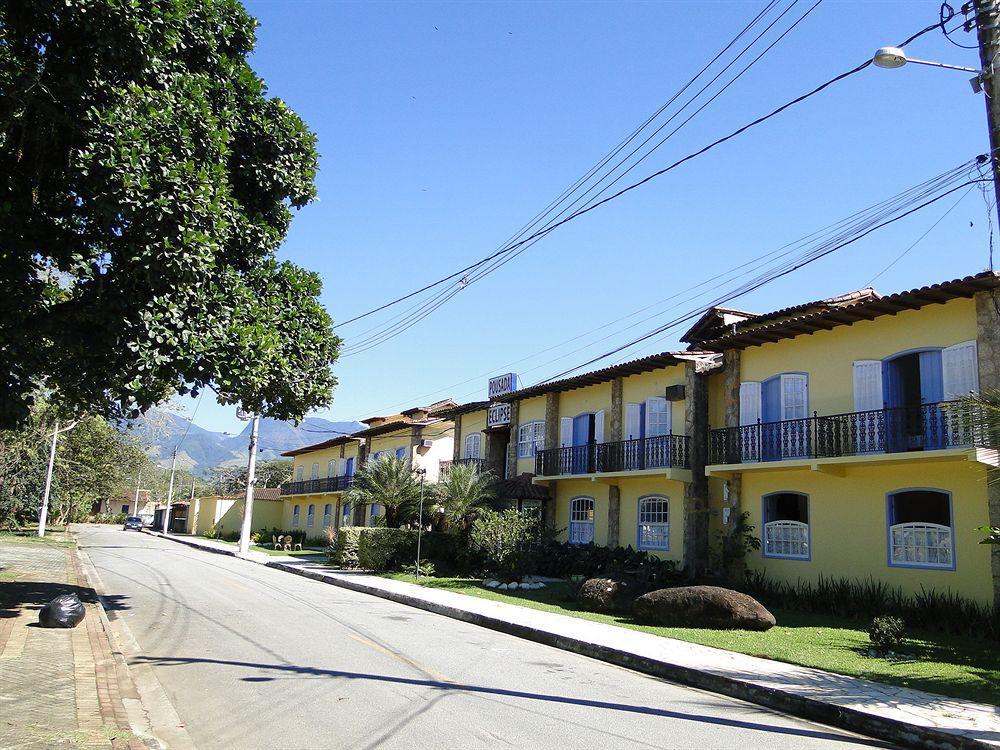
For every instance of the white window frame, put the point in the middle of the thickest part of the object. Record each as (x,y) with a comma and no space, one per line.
(914,538)
(314,470)
(530,438)
(786,539)
(300,473)
(653,531)
(295,516)
(472,445)
(331,468)
(311,515)
(346,513)
(581,520)
(327,515)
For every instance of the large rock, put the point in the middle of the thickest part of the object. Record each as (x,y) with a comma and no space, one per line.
(702,607)
(606,595)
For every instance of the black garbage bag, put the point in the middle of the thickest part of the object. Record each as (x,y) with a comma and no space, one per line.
(64,611)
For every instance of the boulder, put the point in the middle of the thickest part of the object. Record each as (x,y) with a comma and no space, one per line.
(702,607)
(492,584)
(606,595)
(513,585)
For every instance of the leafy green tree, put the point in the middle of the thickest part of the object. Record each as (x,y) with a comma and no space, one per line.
(462,491)
(227,480)
(148,180)
(387,481)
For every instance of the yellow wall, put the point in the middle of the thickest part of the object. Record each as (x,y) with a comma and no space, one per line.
(530,410)
(828,356)
(566,490)
(593,398)
(473,422)
(847,520)
(304,501)
(266,515)
(637,388)
(323,457)
(631,489)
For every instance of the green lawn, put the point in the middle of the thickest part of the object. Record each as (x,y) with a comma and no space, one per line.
(309,552)
(54,536)
(948,665)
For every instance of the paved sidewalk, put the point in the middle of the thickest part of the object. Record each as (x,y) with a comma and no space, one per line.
(905,716)
(58,688)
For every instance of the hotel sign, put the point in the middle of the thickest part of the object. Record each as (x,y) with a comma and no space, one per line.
(502,385)
(498,415)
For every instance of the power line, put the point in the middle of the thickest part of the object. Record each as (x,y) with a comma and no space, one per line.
(586,209)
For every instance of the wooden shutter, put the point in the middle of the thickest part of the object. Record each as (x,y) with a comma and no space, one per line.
(565,432)
(749,402)
(599,426)
(960,370)
(794,396)
(657,416)
(633,421)
(868,385)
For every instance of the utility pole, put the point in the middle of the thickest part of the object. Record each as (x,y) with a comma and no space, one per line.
(987,19)
(420,519)
(251,480)
(170,493)
(43,511)
(135,503)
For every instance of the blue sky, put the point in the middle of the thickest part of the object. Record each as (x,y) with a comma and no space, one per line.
(444,127)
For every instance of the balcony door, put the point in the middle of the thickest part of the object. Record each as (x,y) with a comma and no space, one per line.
(912,385)
(784,415)
(583,437)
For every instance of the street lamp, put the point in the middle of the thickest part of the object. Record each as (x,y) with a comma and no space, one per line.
(894,57)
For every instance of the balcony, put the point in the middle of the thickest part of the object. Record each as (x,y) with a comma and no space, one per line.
(316,486)
(651,455)
(482,465)
(927,427)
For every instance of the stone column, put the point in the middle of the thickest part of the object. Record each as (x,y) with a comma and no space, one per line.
(988,349)
(515,420)
(457,450)
(551,441)
(696,508)
(614,492)
(731,392)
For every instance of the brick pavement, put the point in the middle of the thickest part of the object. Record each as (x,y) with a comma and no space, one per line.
(58,688)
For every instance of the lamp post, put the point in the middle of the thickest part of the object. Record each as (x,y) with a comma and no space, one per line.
(987,17)
(170,493)
(135,503)
(422,473)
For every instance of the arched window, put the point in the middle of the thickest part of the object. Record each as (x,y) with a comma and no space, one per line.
(921,530)
(581,520)
(786,525)
(374,512)
(345,519)
(530,439)
(300,473)
(311,516)
(331,468)
(473,445)
(295,516)
(314,471)
(327,515)
(654,522)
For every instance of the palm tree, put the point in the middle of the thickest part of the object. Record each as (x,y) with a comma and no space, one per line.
(981,414)
(461,491)
(389,482)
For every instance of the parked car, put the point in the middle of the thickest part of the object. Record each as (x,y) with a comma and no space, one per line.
(133,522)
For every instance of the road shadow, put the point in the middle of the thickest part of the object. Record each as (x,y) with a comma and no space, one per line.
(455,687)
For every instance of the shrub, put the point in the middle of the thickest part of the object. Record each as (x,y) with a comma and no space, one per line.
(886,633)
(344,552)
(381,549)
(928,610)
(507,542)
(644,570)
(211,533)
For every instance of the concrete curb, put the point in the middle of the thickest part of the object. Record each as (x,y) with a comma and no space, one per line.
(869,724)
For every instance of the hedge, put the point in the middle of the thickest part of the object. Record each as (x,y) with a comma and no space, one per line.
(382,549)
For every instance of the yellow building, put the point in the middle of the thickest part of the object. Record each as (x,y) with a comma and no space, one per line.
(322,473)
(224,513)
(836,430)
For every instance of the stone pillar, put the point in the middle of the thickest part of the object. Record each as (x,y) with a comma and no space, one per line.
(615,425)
(551,421)
(988,349)
(614,515)
(614,492)
(696,508)
(515,420)
(457,450)
(732,498)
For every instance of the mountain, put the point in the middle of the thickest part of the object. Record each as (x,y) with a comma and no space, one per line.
(202,449)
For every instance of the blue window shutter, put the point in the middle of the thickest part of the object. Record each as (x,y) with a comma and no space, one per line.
(892,386)
(400,452)
(771,400)
(642,419)
(350,468)
(931,378)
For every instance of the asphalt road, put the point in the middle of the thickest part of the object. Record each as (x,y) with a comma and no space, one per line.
(258,658)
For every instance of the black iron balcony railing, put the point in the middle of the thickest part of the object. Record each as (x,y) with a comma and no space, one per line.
(313,486)
(895,430)
(661,452)
(482,465)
